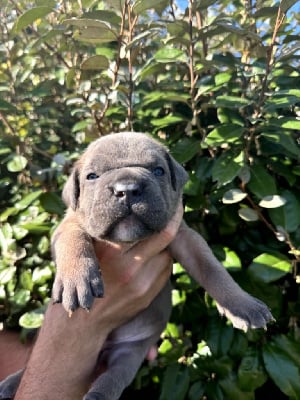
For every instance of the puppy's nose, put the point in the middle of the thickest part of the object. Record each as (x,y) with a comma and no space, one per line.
(127,190)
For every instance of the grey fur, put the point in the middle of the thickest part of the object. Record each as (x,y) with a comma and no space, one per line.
(127,199)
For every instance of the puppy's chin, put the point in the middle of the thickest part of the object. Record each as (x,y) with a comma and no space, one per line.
(129,229)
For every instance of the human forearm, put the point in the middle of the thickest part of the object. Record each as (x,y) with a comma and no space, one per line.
(63,358)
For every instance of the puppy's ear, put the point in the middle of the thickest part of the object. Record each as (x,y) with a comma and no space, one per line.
(178,174)
(71,190)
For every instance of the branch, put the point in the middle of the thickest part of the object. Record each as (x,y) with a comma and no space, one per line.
(270,58)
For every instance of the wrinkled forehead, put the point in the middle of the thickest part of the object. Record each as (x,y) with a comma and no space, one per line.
(118,152)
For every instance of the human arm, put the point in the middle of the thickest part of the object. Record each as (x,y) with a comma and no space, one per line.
(65,354)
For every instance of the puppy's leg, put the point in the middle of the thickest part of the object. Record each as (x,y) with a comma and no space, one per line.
(9,386)
(78,277)
(122,362)
(244,311)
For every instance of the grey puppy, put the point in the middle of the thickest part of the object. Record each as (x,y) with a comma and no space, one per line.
(126,187)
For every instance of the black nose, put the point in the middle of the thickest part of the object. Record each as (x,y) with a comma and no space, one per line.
(127,191)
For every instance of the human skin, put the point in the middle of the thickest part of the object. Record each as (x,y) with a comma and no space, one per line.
(13,353)
(64,357)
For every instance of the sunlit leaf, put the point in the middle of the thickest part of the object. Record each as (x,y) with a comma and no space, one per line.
(30,16)
(272,201)
(248,214)
(269,267)
(232,101)
(95,63)
(227,167)
(17,164)
(169,54)
(223,134)
(233,196)
(31,320)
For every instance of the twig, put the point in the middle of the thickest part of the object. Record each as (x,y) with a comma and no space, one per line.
(270,58)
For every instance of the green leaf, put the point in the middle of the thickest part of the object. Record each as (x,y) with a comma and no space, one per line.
(26,280)
(269,267)
(284,139)
(185,149)
(17,164)
(248,214)
(31,320)
(95,35)
(95,63)
(286,123)
(6,106)
(88,23)
(233,196)
(227,167)
(223,134)
(285,5)
(37,228)
(222,78)
(19,232)
(291,347)
(165,121)
(282,369)
(273,201)
(20,298)
(29,17)
(43,245)
(143,5)
(52,203)
(251,373)
(41,275)
(169,54)
(157,96)
(232,391)
(175,381)
(231,260)
(232,101)
(219,336)
(103,15)
(261,183)
(7,275)
(287,216)
(196,391)
(28,200)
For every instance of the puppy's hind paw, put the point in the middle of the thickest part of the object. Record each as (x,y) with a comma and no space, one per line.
(247,313)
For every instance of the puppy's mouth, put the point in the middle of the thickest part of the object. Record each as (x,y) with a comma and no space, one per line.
(128,229)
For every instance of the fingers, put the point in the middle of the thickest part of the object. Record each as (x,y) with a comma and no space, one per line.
(152,353)
(151,278)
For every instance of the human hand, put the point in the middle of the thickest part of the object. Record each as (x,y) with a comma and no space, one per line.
(66,351)
(134,274)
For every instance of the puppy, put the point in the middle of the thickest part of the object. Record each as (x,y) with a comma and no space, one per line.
(125,187)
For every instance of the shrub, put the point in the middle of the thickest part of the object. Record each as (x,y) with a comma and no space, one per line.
(218,82)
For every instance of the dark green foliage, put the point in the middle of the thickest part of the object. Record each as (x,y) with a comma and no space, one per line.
(218,83)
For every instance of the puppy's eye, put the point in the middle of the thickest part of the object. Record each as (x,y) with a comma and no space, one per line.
(158,171)
(92,176)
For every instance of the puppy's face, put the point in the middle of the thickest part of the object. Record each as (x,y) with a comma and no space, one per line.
(125,187)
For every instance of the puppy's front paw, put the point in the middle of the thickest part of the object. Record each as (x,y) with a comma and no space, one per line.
(246,312)
(77,285)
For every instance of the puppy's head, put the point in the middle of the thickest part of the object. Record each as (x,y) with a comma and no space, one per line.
(125,187)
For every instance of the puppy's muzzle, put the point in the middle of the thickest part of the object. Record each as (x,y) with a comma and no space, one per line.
(128,192)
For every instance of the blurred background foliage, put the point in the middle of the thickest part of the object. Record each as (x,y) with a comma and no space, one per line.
(219,83)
